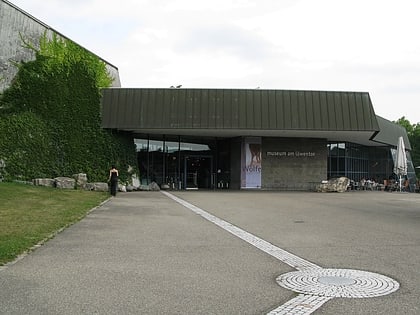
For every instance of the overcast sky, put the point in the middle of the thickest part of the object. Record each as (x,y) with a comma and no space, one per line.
(344,45)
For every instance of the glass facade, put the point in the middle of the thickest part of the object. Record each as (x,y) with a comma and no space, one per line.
(356,162)
(184,162)
(205,163)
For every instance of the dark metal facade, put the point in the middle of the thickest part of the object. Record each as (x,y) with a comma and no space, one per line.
(339,129)
(222,109)
(390,132)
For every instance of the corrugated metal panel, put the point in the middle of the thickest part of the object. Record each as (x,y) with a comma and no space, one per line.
(242,110)
(285,110)
(294,111)
(323,111)
(250,116)
(265,110)
(368,110)
(317,117)
(237,109)
(276,111)
(339,113)
(144,98)
(212,109)
(390,132)
(310,115)
(352,113)
(219,109)
(227,109)
(302,110)
(258,110)
(346,110)
(331,107)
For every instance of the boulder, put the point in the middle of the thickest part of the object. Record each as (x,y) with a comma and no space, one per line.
(135,181)
(130,188)
(144,187)
(122,188)
(65,182)
(47,182)
(81,180)
(153,186)
(97,186)
(165,187)
(2,167)
(334,185)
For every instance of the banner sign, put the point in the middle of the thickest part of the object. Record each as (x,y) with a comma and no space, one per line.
(251,163)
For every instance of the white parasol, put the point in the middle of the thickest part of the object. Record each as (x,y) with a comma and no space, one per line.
(400,165)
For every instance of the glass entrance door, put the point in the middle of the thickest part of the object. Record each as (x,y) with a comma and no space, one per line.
(198,172)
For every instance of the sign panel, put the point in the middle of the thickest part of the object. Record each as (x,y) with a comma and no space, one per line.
(251,163)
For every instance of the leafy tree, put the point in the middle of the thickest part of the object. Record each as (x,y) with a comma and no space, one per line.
(406,124)
(50,116)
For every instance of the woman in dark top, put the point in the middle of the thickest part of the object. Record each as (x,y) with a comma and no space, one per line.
(113,179)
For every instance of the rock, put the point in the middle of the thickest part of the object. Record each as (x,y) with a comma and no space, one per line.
(81,180)
(2,167)
(144,187)
(97,186)
(165,187)
(65,182)
(122,188)
(334,185)
(135,181)
(153,186)
(130,188)
(47,182)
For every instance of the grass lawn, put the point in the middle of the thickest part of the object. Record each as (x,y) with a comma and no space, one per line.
(30,214)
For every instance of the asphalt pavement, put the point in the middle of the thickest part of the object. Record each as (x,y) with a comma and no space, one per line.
(144,253)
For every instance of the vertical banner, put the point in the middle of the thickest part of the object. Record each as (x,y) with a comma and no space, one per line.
(251,163)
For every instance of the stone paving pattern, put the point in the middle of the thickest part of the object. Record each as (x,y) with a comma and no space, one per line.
(144,253)
(336,282)
(303,304)
(365,284)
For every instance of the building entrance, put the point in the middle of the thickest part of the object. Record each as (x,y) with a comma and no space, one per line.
(198,172)
(184,163)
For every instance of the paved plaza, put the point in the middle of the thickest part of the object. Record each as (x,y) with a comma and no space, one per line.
(227,252)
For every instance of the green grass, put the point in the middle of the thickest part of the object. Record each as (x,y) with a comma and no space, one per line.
(31,214)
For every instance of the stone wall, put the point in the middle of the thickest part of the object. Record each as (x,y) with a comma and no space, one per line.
(13,22)
(293,163)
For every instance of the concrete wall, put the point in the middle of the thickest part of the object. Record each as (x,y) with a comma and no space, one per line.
(13,22)
(293,163)
(235,163)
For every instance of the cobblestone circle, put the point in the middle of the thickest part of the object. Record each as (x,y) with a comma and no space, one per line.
(338,283)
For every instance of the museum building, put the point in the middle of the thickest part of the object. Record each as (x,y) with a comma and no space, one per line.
(232,138)
(253,139)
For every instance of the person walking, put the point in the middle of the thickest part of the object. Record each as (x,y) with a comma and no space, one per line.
(113,179)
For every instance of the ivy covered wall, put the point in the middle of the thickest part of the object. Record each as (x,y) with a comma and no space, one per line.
(50,117)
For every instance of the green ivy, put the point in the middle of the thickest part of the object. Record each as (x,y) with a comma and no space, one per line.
(50,117)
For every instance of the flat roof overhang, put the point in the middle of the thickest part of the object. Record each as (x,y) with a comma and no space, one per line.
(222,113)
(361,137)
